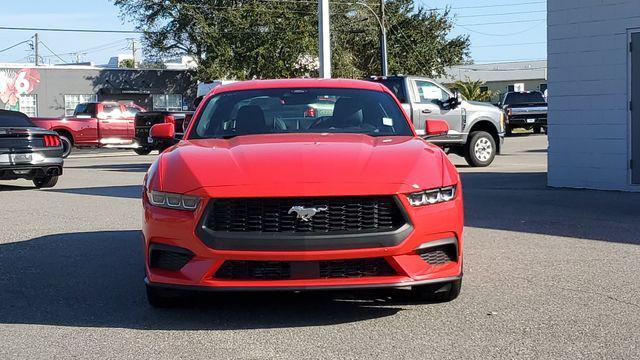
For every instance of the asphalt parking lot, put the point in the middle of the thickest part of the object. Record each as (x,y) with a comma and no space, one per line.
(549,273)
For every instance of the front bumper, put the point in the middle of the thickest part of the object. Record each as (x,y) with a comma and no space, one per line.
(431,224)
(527,120)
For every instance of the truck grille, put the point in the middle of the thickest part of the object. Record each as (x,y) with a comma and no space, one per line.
(274,215)
(286,270)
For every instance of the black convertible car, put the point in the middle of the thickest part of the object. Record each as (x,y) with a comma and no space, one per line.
(28,152)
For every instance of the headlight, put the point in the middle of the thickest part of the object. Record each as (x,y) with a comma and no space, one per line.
(433,196)
(173,201)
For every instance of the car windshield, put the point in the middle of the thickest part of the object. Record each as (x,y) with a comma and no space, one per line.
(524,98)
(14,119)
(308,110)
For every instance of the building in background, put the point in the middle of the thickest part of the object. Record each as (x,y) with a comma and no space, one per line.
(56,90)
(501,77)
(594,87)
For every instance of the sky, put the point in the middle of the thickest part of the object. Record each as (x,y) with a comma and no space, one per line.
(500,30)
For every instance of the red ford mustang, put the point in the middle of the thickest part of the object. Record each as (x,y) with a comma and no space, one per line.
(264,193)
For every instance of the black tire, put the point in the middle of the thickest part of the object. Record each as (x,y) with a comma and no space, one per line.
(480,149)
(67,146)
(443,292)
(508,130)
(537,129)
(45,182)
(163,298)
(142,151)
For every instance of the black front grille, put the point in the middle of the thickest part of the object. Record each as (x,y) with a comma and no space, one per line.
(439,255)
(359,214)
(287,270)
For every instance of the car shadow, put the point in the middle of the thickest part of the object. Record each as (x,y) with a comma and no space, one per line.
(122,191)
(95,279)
(522,202)
(140,167)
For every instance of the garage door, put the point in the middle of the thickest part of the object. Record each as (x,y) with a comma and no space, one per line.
(635,110)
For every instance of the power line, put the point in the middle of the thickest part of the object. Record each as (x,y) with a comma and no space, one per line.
(504,22)
(507,45)
(52,52)
(503,14)
(502,34)
(18,44)
(70,30)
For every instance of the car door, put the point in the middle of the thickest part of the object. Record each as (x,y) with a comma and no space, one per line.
(429,97)
(112,124)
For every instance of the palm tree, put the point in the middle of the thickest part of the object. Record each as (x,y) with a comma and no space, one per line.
(473,90)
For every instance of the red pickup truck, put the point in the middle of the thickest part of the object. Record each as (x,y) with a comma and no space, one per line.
(95,124)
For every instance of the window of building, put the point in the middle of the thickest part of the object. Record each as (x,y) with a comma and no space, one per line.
(484,89)
(71,101)
(543,87)
(511,88)
(29,104)
(167,102)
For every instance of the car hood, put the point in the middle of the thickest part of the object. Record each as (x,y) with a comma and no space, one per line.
(484,105)
(290,163)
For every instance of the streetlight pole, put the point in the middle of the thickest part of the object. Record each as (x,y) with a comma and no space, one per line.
(383,36)
(324,39)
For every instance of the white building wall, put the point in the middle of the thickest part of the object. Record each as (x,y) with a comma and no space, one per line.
(588,92)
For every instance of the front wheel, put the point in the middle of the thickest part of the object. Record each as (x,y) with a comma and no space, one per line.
(163,298)
(142,151)
(444,292)
(480,149)
(45,182)
(537,129)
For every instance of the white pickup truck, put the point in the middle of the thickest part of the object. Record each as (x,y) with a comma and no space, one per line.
(476,128)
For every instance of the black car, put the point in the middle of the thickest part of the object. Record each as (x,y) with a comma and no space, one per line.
(28,152)
(527,110)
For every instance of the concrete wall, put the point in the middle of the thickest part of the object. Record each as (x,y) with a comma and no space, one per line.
(51,84)
(588,92)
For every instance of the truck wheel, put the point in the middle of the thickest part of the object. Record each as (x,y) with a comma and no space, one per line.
(537,129)
(480,149)
(508,130)
(45,182)
(142,151)
(438,292)
(66,146)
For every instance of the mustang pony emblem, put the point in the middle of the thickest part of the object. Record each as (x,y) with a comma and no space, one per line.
(306,213)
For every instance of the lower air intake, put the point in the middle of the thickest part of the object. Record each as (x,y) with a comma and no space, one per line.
(439,255)
(288,270)
(170,258)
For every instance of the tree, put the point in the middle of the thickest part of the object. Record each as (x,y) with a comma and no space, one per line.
(127,63)
(473,90)
(245,39)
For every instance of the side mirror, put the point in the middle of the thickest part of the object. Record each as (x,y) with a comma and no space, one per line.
(163,131)
(435,128)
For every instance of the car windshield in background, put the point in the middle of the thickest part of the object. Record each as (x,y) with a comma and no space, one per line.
(525,98)
(14,119)
(309,110)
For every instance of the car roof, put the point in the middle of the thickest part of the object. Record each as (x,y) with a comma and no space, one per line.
(299,83)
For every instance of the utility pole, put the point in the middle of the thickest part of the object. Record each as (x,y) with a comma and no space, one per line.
(133,49)
(383,42)
(36,49)
(325,39)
